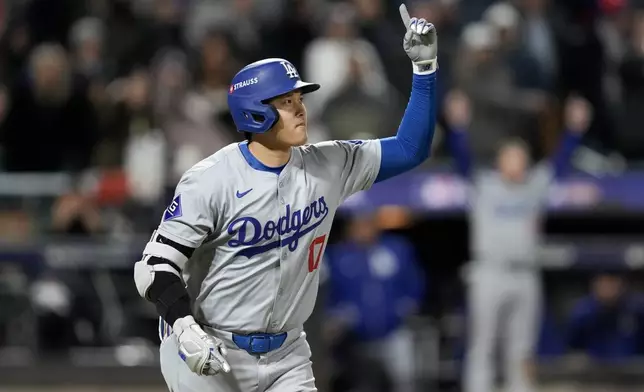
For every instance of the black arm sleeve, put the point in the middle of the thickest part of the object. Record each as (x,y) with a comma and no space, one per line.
(168,291)
(169,295)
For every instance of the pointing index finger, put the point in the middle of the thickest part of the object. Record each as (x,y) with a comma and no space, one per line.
(404,15)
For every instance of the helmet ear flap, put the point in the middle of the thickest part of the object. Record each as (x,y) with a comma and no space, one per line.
(260,121)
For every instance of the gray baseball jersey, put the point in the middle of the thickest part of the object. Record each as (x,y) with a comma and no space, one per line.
(260,234)
(506,217)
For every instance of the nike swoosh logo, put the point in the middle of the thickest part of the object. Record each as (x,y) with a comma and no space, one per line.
(242,194)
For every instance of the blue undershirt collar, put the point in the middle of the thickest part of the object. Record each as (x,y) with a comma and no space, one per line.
(255,163)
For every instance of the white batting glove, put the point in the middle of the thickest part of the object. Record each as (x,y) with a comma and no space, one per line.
(420,43)
(204,354)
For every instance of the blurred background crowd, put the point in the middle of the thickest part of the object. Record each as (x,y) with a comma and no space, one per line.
(105,103)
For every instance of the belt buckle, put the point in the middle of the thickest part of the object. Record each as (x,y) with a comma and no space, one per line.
(259,344)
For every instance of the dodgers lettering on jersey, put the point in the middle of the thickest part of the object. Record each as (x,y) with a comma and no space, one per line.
(247,232)
(255,267)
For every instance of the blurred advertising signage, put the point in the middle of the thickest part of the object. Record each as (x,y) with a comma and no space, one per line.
(444,191)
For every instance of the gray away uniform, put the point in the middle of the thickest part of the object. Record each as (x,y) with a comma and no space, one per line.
(504,284)
(259,238)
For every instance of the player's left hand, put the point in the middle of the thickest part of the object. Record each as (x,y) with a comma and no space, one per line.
(420,42)
(204,354)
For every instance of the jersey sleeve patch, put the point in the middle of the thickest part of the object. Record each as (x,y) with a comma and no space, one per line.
(173,210)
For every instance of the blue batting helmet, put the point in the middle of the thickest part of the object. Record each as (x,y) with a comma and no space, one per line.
(257,83)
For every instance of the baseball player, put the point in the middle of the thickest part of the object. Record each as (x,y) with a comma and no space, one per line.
(506,208)
(233,266)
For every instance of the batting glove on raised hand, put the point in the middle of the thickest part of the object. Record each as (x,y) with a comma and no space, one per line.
(420,43)
(204,354)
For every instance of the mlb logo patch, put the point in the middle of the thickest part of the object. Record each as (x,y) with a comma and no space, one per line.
(173,210)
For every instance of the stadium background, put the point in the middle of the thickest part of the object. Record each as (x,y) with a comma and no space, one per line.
(104,103)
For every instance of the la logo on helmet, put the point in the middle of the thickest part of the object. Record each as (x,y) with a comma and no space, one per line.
(290,70)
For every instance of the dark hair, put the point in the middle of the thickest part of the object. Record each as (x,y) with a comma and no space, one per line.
(248,136)
(513,141)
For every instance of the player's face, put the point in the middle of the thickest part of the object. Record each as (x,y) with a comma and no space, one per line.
(512,162)
(290,130)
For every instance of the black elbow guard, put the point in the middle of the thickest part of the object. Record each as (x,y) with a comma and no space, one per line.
(169,295)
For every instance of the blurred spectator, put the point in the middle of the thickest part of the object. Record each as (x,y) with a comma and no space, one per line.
(375,284)
(87,45)
(582,64)
(445,16)
(329,59)
(385,36)
(242,19)
(630,136)
(217,65)
(298,27)
(50,124)
(538,41)
(186,116)
(15,44)
(75,214)
(608,324)
(500,106)
(359,110)
(51,21)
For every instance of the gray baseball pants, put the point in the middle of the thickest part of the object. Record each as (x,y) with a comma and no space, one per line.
(504,307)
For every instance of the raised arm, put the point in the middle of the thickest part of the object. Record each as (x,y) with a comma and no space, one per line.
(578,116)
(458,116)
(411,145)
(361,163)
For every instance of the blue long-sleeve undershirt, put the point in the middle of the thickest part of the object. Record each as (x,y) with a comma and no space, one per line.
(457,141)
(412,144)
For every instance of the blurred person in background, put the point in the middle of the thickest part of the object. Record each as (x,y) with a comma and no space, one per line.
(242,20)
(185,117)
(445,14)
(630,136)
(500,106)
(375,284)
(608,324)
(331,59)
(87,40)
(15,45)
(503,282)
(51,124)
(537,40)
(362,109)
(522,66)
(299,26)
(75,213)
(582,64)
(135,145)
(382,33)
(217,62)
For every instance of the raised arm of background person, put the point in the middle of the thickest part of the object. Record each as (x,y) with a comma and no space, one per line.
(560,161)
(578,116)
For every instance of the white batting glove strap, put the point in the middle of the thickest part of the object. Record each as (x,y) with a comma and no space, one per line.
(203,354)
(420,43)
